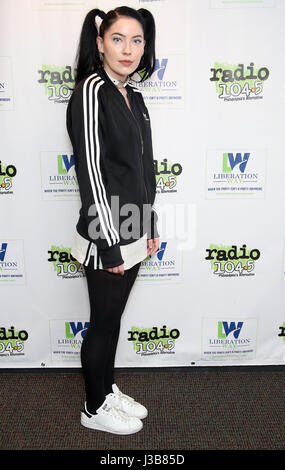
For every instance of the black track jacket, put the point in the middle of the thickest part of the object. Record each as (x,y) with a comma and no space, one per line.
(113,156)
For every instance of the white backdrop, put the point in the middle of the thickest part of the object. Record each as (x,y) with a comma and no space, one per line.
(214,293)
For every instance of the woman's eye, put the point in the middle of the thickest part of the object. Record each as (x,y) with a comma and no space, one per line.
(116,39)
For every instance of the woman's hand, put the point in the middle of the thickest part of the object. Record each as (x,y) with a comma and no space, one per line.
(152,246)
(116,270)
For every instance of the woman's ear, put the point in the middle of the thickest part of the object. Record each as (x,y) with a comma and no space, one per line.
(100,44)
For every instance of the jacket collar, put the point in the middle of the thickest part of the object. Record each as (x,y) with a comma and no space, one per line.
(106,76)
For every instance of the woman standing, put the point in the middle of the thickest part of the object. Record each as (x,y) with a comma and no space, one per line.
(109,128)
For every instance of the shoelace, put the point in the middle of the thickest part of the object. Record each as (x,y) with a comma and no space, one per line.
(118,414)
(126,398)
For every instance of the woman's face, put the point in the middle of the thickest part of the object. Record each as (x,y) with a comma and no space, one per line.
(122,46)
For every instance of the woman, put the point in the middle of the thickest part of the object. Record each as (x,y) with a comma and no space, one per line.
(109,128)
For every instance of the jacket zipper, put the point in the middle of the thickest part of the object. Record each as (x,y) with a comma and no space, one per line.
(142,148)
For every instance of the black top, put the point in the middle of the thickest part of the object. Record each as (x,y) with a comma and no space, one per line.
(113,155)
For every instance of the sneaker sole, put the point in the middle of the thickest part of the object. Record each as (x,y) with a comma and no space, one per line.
(99,427)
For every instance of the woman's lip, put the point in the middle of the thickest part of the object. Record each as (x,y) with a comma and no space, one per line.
(125,62)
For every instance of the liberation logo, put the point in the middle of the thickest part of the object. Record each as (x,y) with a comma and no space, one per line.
(58,4)
(12,341)
(238,82)
(58,82)
(167,175)
(11,261)
(7,173)
(3,100)
(152,341)
(242,4)
(164,265)
(165,87)
(237,174)
(64,264)
(66,338)
(59,178)
(147,1)
(231,261)
(6,84)
(225,328)
(228,339)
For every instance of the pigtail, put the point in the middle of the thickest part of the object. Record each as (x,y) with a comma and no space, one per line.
(87,56)
(147,63)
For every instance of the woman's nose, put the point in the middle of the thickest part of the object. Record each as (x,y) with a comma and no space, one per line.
(127,48)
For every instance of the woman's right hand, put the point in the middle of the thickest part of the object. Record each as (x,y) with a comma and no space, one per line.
(117,270)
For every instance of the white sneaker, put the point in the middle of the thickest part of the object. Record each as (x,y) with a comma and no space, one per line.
(125,403)
(110,419)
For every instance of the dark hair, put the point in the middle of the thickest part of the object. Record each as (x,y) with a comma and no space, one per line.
(87,58)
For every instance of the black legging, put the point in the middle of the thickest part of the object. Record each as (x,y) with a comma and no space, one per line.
(108,295)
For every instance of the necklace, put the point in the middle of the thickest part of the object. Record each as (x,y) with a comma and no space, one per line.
(123,84)
(119,83)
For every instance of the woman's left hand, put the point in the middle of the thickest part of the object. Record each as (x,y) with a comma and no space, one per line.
(152,246)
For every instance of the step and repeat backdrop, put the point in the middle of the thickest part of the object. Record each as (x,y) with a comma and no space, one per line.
(213,294)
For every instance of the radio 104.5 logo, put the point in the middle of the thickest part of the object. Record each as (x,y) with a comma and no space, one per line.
(7,173)
(12,341)
(231,261)
(58,82)
(153,341)
(239,82)
(167,175)
(64,264)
